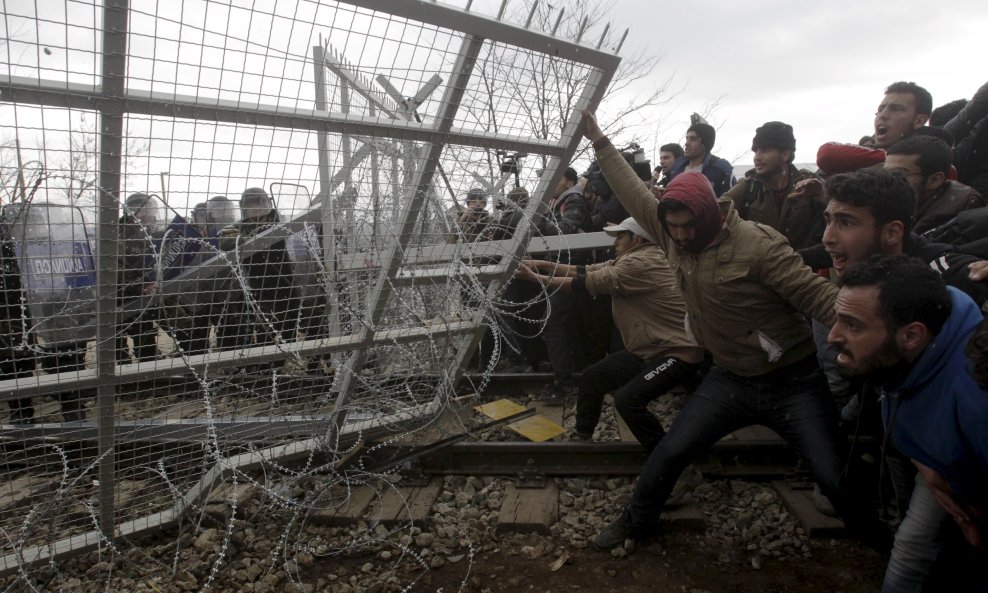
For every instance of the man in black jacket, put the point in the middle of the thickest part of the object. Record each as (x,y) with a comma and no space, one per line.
(569,214)
(873,211)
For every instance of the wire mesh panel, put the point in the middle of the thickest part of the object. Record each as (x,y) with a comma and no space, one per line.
(269,234)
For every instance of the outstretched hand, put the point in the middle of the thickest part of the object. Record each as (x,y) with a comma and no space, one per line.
(810,188)
(978,271)
(525,272)
(591,130)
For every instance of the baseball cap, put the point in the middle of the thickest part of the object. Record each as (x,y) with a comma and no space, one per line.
(628,224)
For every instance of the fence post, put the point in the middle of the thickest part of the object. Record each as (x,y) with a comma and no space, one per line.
(111,111)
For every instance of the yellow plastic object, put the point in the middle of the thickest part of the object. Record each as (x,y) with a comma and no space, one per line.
(534,428)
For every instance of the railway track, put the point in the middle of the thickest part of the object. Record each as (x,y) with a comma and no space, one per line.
(533,470)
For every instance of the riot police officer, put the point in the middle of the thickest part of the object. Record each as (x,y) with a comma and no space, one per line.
(49,297)
(16,359)
(221,212)
(269,277)
(141,225)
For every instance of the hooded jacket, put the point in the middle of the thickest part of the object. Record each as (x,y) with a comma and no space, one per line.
(746,291)
(939,414)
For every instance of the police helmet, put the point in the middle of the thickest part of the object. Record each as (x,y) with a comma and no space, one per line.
(147,210)
(221,211)
(255,204)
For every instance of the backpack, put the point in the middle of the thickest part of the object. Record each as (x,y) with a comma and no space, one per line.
(968,231)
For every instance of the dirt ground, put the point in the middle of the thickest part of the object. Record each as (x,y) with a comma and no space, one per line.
(680,563)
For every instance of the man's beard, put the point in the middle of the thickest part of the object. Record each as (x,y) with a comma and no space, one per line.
(769,174)
(883,367)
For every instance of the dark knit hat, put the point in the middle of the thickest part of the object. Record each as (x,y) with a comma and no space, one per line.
(774,134)
(706,133)
(570,174)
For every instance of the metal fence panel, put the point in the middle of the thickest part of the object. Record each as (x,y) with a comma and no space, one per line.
(154,347)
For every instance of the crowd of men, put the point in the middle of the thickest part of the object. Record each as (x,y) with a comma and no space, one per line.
(827,305)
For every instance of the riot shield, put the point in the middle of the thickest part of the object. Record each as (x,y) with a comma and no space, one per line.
(305,246)
(58,271)
(305,252)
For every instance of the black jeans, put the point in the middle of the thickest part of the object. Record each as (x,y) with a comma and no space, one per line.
(557,335)
(637,383)
(795,402)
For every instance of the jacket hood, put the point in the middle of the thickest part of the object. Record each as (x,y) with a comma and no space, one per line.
(937,416)
(693,190)
(950,342)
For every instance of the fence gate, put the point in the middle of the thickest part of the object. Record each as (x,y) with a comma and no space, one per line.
(159,333)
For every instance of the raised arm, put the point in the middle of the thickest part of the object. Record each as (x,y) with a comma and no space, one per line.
(629,189)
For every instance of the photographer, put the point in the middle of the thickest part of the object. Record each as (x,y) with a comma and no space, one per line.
(474,220)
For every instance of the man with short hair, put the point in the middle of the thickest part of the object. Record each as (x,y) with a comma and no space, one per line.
(901,328)
(925,163)
(747,296)
(648,311)
(906,107)
(668,154)
(872,211)
(766,194)
(700,138)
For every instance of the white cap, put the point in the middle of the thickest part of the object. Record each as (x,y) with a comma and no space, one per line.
(628,224)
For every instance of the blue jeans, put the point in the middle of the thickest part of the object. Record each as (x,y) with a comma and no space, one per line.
(794,401)
(917,542)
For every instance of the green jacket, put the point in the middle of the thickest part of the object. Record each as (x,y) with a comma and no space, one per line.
(646,304)
(800,219)
(748,293)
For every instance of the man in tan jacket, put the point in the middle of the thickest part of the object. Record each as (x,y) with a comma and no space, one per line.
(648,311)
(748,296)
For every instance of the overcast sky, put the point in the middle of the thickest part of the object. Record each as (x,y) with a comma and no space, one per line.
(819,66)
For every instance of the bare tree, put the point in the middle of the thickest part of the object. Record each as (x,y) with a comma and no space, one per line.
(545,87)
(75,171)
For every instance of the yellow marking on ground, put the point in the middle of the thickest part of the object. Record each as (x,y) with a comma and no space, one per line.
(534,428)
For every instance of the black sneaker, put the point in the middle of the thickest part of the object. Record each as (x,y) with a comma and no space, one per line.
(556,393)
(822,503)
(548,397)
(687,482)
(618,533)
(579,437)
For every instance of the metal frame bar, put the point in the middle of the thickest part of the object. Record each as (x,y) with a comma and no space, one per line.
(143,371)
(114,74)
(448,17)
(462,71)
(18,89)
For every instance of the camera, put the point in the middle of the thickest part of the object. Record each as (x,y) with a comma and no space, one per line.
(510,162)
